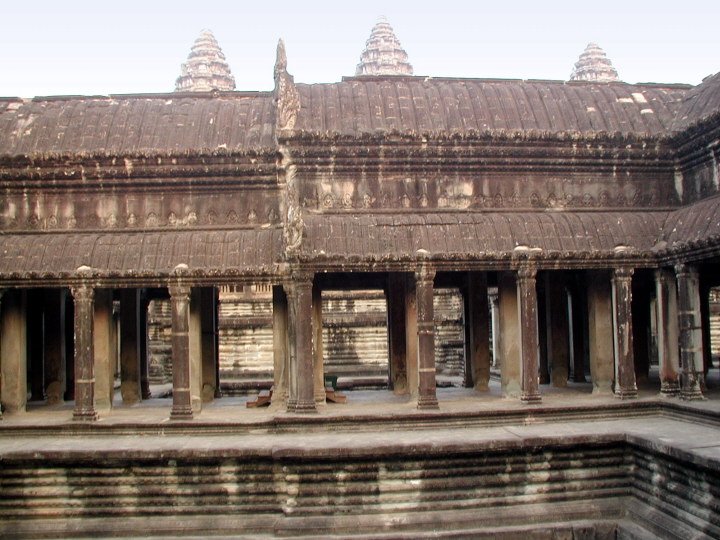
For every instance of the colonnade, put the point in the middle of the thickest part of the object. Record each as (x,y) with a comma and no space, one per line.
(545,326)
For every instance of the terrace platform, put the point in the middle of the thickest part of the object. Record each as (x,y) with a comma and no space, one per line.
(479,467)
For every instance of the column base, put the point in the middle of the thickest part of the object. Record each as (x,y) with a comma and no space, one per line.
(626,393)
(302,407)
(428,402)
(85,415)
(690,389)
(531,398)
(181,413)
(670,389)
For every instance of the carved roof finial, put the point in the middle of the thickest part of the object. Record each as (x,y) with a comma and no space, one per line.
(206,68)
(383,54)
(594,65)
(287,98)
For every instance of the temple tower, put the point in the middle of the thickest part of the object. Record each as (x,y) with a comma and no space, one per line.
(206,68)
(383,54)
(594,65)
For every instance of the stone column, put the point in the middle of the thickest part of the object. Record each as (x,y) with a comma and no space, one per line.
(302,389)
(529,342)
(397,350)
(105,349)
(180,299)
(83,296)
(13,352)
(143,345)
(477,331)
(195,340)
(509,336)
(130,378)
(427,398)
(600,331)
(667,331)
(208,308)
(55,347)
(318,352)
(625,385)
(281,355)
(411,333)
(690,336)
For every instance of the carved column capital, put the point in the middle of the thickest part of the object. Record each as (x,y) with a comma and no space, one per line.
(82,292)
(623,273)
(302,277)
(686,270)
(424,274)
(527,272)
(179,290)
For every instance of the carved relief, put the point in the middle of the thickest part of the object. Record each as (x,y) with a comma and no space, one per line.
(328,201)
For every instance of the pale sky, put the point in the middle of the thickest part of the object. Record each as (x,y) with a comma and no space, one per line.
(128,46)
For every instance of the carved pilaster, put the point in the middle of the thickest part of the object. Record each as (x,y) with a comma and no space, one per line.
(84,296)
(625,385)
(529,340)
(427,397)
(182,399)
(690,332)
(302,395)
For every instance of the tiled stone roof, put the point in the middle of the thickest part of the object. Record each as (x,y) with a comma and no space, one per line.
(471,235)
(139,253)
(126,125)
(701,103)
(446,107)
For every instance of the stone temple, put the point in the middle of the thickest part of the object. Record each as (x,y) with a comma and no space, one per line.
(385,307)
